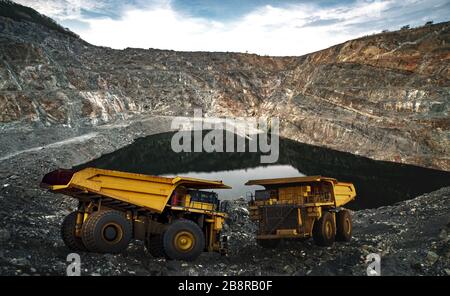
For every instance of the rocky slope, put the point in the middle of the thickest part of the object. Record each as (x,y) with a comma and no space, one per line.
(385,96)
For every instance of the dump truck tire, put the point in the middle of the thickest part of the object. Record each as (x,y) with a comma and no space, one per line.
(183,240)
(324,230)
(154,245)
(268,243)
(73,242)
(106,232)
(344,226)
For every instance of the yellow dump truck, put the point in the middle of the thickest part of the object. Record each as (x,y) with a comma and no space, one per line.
(173,216)
(301,207)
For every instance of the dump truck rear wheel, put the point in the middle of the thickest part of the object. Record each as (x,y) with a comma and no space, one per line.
(324,230)
(106,232)
(154,245)
(73,242)
(268,243)
(344,226)
(183,240)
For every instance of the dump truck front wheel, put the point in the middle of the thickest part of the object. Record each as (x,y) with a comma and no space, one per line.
(106,232)
(183,240)
(324,230)
(344,226)
(268,243)
(73,242)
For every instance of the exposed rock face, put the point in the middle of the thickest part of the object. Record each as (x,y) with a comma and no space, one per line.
(385,96)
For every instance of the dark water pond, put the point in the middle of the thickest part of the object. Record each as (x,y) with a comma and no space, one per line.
(377,183)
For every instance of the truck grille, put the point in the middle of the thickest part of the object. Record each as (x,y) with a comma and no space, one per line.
(277,217)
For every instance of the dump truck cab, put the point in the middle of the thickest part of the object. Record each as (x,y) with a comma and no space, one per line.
(177,218)
(301,207)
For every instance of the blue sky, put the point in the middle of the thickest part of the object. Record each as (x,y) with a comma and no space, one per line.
(266,27)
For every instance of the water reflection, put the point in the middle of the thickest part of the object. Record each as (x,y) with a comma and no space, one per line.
(237,178)
(377,182)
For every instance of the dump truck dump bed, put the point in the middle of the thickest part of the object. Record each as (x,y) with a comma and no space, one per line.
(342,192)
(149,192)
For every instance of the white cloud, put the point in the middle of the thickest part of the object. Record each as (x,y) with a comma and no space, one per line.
(291,30)
(267,30)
